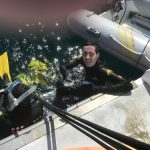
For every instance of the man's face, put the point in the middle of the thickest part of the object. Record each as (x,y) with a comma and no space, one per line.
(89,55)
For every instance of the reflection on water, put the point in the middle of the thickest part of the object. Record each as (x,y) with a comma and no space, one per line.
(53,48)
(50,48)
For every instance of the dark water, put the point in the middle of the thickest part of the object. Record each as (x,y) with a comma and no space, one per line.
(55,46)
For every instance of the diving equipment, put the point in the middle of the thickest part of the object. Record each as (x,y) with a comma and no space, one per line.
(13,102)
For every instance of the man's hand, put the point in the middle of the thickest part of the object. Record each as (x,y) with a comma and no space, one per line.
(64,72)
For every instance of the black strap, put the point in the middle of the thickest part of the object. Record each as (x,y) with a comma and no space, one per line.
(1,99)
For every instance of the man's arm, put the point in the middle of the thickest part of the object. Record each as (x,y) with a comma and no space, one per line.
(65,68)
(73,63)
(120,83)
(113,77)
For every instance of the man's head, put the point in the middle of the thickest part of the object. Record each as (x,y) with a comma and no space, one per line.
(91,53)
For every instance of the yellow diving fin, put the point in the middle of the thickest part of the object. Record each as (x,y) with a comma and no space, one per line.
(4,66)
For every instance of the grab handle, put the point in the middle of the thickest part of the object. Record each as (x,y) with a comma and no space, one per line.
(93,32)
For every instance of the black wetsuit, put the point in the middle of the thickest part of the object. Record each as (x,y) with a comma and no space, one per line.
(98,74)
(95,80)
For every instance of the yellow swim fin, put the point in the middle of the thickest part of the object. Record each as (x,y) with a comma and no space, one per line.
(4,66)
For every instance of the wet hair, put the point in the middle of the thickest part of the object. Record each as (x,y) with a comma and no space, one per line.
(97,47)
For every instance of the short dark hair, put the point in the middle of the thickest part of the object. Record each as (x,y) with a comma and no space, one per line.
(97,47)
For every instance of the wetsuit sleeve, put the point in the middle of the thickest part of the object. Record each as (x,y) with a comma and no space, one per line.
(111,76)
(74,63)
(123,86)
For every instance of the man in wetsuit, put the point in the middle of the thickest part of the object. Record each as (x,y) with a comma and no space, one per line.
(96,75)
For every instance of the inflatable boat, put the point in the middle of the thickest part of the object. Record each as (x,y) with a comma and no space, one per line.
(123,31)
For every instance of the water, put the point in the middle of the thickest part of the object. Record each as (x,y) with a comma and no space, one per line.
(53,47)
